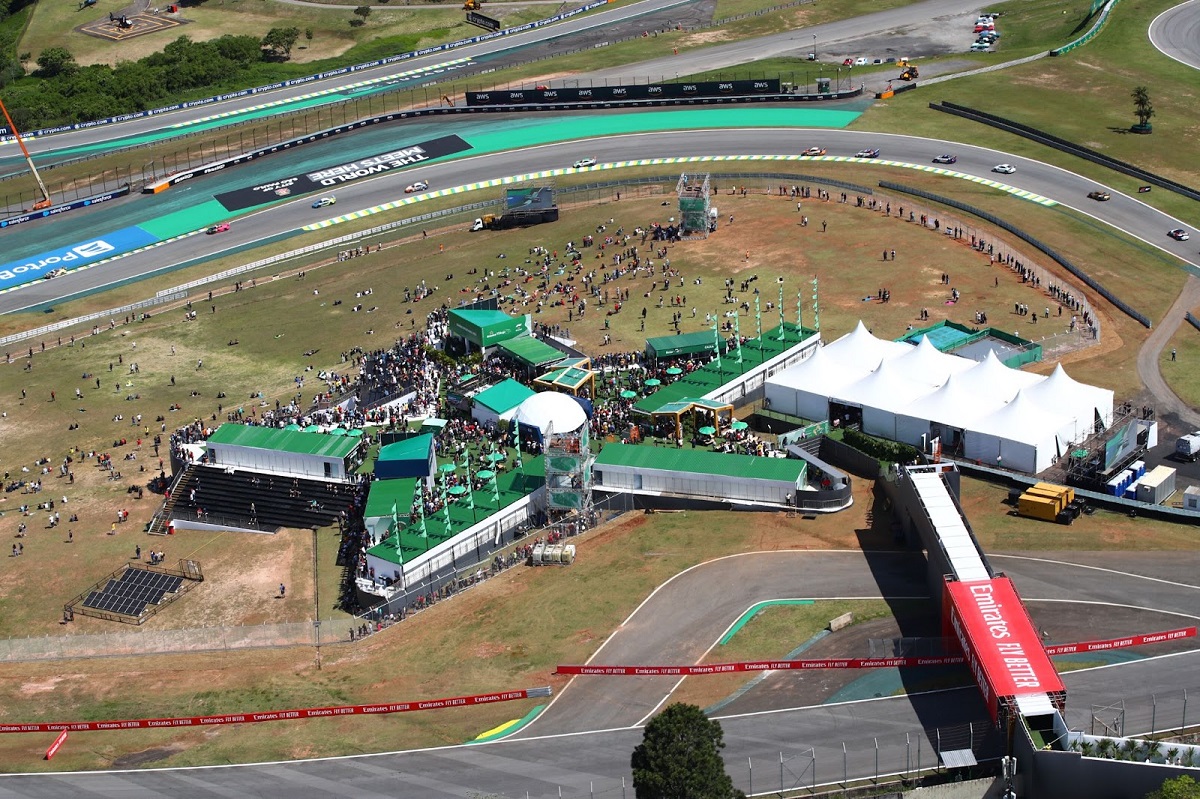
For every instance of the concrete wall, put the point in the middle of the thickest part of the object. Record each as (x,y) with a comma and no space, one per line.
(1070,775)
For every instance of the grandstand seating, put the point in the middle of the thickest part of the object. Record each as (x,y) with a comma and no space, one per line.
(278,501)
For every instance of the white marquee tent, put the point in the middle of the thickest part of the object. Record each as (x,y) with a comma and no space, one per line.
(548,409)
(1019,436)
(914,393)
(804,389)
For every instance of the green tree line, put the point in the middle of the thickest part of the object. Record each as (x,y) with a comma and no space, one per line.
(55,90)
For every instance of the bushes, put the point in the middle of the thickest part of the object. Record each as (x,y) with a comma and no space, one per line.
(880,449)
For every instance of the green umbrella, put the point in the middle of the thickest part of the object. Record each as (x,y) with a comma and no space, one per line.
(739,425)
(654,381)
(446,468)
(338,431)
(674,370)
(292,428)
(485,474)
(627,394)
(456,491)
(355,433)
(496,457)
(313,428)
(707,431)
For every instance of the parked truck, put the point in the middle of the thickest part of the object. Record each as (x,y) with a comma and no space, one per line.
(1187,448)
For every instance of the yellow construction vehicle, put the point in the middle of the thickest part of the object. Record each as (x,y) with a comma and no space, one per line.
(472,5)
(910,73)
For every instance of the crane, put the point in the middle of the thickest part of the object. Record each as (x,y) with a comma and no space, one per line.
(45,202)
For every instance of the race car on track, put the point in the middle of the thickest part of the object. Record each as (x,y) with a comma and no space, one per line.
(324,202)
(420,185)
(814,151)
(1004,169)
(53,273)
(872,152)
(946,159)
(221,228)
(1102,196)
(584,163)
(1179,234)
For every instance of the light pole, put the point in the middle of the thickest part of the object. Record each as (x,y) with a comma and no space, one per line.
(814,50)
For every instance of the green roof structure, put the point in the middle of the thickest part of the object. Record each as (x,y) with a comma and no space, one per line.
(531,351)
(299,443)
(570,378)
(408,449)
(717,373)
(695,461)
(682,344)
(487,328)
(514,484)
(503,397)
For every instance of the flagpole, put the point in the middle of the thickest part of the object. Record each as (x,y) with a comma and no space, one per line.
(782,329)
(758,325)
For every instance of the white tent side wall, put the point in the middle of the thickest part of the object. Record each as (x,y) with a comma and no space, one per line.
(270,460)
(1021,456)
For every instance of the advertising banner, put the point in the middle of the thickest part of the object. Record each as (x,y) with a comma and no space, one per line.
(58,742)
(487,23)
(280,715)
(336,174)
(14,273)
(1121,643)
(1000,643)
(58,209)
(863,663)
(605,94)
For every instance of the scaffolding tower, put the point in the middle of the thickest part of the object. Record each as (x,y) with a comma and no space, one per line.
(568,463)
(696,217)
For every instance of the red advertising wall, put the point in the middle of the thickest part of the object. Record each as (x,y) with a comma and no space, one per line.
(999,641)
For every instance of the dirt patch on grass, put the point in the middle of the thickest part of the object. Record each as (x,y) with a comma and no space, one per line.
(146,757)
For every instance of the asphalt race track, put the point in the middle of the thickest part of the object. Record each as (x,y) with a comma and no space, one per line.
(1176,33)
(1122,212)
(689,613)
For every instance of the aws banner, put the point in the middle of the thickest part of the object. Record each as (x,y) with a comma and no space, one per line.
(606,94)
(336,174)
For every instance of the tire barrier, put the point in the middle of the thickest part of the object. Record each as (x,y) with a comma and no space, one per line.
(1071,148)
(862,663)
(280,715)
(1091,282)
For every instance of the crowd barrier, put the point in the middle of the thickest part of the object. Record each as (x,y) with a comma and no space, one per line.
(1046,249)
(862,663)
(5,137)
(279,715)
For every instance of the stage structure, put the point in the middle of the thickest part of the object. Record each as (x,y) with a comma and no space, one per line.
(697,218)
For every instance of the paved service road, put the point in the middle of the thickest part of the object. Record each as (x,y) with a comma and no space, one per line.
(541,764)
(1122,212)
(1176,33)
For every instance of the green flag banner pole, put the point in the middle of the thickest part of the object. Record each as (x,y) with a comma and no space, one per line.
(800,312)
(782,331)
(717,341)
(816,306)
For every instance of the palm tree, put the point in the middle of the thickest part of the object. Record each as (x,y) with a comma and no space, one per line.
(1172,754)
(1105,748)
(1143,109)
(1087,749)
(1153,749)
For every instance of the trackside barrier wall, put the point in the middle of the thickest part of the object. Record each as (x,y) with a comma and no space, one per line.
(281,715)
(995,220)
(1065,146)
(1092,32)
(1192,320)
